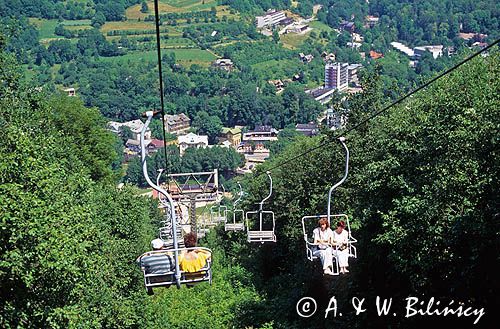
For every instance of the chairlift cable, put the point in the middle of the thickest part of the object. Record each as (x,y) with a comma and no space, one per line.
(379,112)
(160,73)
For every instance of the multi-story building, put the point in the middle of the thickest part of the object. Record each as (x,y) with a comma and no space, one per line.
(177,124)
(336,76)
(261,134)
(436,51)
(371,21)
(271,18)
(232,135)
(352,73)
(191,140)
(307,129)
(336,119)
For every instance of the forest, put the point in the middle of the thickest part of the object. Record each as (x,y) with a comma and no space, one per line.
(421,194)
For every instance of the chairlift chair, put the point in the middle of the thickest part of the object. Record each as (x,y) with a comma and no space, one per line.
(236,225)
(202,226)
(176,276)
(262,235)
(167,279)
(307,220)
(218,213)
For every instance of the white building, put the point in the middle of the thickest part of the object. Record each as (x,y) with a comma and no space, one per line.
(191,140)
(320,94)
(272,17)
(352,72)
(70,91)
(336,119)
(135,127)
(436,51)
(402,48)
(336,76)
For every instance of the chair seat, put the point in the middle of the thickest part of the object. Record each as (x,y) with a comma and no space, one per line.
(261,236)
(234,227)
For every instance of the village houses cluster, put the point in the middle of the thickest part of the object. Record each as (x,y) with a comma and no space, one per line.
(252,143)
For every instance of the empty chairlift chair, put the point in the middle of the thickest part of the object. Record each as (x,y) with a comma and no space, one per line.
(218,213)
(238,216)
(310,222)
(203,225)
(170,274)
(265,220)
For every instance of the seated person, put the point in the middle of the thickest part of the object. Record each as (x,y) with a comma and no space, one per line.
(157,263)
(193,260)
(323,239)
(340,240)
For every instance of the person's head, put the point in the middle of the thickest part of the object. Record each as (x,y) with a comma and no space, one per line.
(340,225)
(323,223)
(190,240)
(157,244)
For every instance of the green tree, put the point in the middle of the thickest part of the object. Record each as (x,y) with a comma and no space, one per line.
(208,125)
(98,20)
(144,7)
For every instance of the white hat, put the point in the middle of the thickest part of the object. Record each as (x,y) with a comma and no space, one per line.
(157,243)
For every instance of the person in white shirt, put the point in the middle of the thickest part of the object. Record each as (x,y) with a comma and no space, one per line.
(340,240)
(323,238)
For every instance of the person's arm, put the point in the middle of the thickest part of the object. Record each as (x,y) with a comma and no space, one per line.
(316,238)
(345,237)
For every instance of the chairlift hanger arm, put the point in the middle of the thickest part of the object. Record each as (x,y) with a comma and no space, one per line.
(149,115)
(261,204)
(342,141)
(240,196)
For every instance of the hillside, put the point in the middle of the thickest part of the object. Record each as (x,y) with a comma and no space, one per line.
(421,195)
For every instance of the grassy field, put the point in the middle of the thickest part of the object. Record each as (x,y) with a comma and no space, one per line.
(319,27)
(177,42)
(186,57)
(294,40)
(186,51)
(127,25)
(170,6)
(46,27)
(278,69)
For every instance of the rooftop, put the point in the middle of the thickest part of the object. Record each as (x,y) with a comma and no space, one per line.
(193,139)
(402,48)
(172,119)
(233,131)
(134,125)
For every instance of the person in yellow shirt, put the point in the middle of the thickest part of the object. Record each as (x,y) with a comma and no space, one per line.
(193,260)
